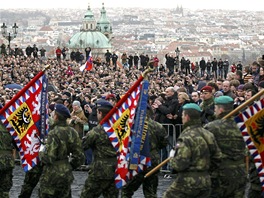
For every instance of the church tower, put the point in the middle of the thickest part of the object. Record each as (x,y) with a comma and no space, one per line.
(89,22)
(103,24)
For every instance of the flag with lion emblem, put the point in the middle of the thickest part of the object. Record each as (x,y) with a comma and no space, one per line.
(126,129)
(251,124)
(25,117)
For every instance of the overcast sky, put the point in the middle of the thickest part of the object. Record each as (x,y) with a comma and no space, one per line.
(257,5)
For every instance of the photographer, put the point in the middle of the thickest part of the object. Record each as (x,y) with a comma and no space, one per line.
(78,119)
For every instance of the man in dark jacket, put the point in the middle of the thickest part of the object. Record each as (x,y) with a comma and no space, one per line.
(166,111)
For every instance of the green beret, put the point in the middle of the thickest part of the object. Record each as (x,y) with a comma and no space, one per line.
(192,106)
(223,100)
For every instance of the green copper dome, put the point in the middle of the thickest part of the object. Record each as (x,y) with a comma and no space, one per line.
(93,39)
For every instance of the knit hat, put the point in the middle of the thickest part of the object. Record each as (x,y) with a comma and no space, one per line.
(76,103)
(218,93)
(240,87)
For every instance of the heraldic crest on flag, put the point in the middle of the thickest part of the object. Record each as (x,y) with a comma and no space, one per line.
(25,117)
(251,124)
(121,127)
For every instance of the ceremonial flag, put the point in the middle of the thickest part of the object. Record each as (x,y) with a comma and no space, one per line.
(251,124)
(88,65)
(127,131)
(26,117)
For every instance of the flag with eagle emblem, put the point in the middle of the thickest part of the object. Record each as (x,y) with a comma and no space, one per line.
(251,124)
(126,129)
(26,117)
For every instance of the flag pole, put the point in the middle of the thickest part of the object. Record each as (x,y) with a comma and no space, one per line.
(25,88)
(128,93)
(244,105)
(157,167)
(239,108)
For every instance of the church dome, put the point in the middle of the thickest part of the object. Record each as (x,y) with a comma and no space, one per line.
(93,39)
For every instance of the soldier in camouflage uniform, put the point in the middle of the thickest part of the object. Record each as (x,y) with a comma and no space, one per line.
(207,104)
(255,188)
(230,179)
(157,134)
(7,162)
(30,181)
(102,173)
(196,153)
(63,141)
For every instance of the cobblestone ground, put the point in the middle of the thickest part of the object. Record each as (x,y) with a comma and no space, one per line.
(78,183)
(80,177)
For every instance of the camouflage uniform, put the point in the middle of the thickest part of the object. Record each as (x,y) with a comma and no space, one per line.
(7,162)
(255,188)
(30,181)
(102,173)
(230,179)
(57,176)
(157,134)
(197,152)
(207,110)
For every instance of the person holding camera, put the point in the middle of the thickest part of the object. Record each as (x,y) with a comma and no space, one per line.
(78,119)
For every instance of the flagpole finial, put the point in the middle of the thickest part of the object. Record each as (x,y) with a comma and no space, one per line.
(46,67)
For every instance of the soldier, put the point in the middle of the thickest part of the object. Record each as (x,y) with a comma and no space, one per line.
(255,187)
(157,134)
(30,181)
(230,180)
(102,173)
(207,104)
(196,153)
(61,154)
(7,162)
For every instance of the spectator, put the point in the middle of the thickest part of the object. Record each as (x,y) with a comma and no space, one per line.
(58,53)
(240,96)
(78,119)
(227,89)
(196,98)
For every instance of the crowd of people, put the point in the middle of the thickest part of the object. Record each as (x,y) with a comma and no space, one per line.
(195,99)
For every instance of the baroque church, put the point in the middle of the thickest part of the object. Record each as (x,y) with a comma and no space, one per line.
(94,34)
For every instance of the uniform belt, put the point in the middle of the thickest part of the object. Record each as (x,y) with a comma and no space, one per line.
(230,163)
(196,172)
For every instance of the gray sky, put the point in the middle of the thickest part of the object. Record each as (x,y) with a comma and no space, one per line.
(257,5)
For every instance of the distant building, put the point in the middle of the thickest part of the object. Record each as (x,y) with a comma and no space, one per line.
(96,35)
